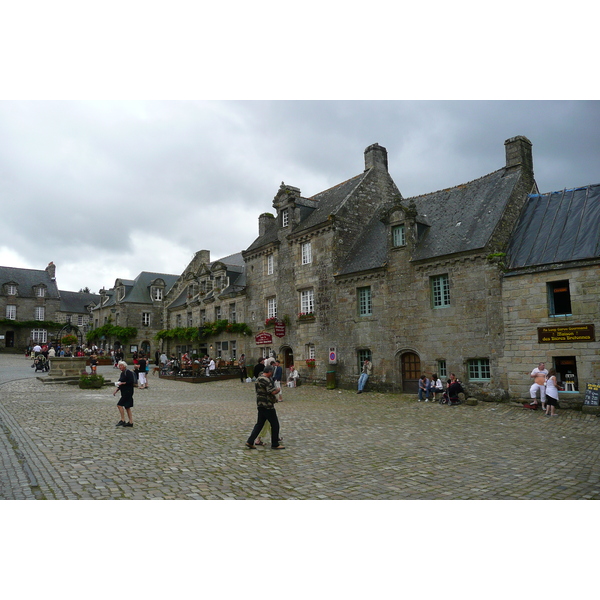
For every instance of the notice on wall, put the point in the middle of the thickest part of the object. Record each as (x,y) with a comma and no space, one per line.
(592,395)
(571,334)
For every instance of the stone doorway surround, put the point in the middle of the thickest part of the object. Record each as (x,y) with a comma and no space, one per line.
(410,371)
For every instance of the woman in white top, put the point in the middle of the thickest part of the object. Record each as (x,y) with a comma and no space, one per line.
(436,385)
(551,394)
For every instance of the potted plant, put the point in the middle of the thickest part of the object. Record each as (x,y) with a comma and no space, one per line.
(306,316)
(91,382)
(271,321)
(310,362)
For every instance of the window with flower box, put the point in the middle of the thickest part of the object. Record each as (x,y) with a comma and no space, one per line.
(271,307)
(307,302)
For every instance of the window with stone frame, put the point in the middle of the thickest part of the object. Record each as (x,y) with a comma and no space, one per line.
(146,319)
(11,311)
(441,368)
(189,319)
(233,347)
(232,313)
(398,236)
(80,320)
(271,307)
(40,291)
(364,301)
(178,321)
(479,369)
(559,298)
(40,313)
(270,262)
(11,289)
(440,291)
(285,217)
(217,313)
(306,253)
(362,355)
(120,293)
(307,301)
(39,335)
(157,294)
(310,351)
(202,316)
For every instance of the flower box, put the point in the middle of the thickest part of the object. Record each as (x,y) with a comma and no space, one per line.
(310,362)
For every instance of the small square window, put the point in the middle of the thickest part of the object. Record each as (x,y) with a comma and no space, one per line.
(479,369)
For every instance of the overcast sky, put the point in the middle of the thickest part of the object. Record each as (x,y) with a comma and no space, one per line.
(108,189)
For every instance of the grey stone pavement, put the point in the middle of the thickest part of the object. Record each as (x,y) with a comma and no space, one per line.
(60,442)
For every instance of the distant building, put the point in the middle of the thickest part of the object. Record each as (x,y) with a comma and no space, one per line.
(208,293)
(33,310)
(137,304)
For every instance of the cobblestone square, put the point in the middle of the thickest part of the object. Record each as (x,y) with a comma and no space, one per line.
(60,442)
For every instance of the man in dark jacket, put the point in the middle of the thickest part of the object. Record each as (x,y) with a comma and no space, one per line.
(265,399)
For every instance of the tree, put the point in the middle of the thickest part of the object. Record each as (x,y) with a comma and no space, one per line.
(85,290)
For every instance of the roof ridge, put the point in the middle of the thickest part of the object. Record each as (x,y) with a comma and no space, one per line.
(336,185)
(455,186)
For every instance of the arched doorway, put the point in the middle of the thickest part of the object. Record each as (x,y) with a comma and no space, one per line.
(411,371)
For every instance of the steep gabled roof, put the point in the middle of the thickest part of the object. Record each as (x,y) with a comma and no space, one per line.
(77,302)
(463,218)
(557,227)
(26,279)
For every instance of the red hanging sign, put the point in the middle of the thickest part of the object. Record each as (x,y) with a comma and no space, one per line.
(280,329)
(263,338)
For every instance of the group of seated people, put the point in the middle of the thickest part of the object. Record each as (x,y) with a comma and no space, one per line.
(434,387)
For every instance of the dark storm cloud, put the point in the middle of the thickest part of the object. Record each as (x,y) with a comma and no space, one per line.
(131,186)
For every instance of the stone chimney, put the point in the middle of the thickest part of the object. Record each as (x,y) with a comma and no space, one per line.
(518,153)
(263,223)
(202,257)
(51,270)
(376,157)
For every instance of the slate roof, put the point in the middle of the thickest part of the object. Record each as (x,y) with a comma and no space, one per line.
(452,220)
(463,218)
(26,279)
(77,302)
(557,227)
(138,290)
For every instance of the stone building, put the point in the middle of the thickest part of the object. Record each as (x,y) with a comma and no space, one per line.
(29,305)
(551,291)
(208,293)
(359,271)
(136,304)
(35,311)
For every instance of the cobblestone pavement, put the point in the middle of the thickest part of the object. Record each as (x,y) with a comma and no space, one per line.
(60,442)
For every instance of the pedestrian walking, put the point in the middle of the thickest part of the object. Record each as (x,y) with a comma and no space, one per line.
(265,399)
(142,381)
(242,366)
(125,386)
(277,375)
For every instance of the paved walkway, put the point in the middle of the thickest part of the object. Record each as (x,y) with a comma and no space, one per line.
(60,442)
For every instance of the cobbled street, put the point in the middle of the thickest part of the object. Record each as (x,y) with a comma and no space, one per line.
(60,442)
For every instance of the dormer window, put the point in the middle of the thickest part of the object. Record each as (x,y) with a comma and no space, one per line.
(40,291)
(398,236)
(157,294)
(11,289)
(285,217)
(120,293)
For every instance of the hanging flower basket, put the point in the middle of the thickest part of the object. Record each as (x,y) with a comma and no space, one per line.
(310,362)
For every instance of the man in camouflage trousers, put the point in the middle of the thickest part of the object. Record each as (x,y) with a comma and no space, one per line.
(265,402)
